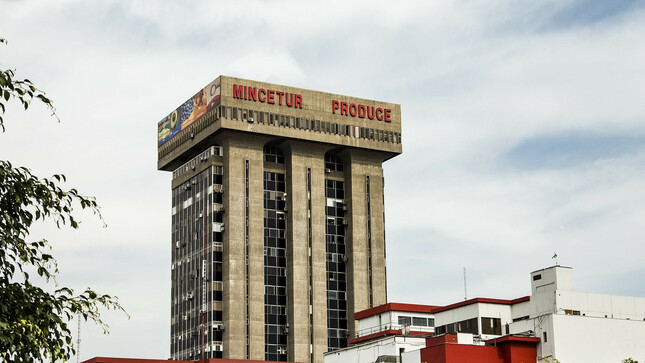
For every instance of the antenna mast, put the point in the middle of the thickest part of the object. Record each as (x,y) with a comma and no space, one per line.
(78,340)
(465,286)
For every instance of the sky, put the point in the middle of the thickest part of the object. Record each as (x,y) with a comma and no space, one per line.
(523,134)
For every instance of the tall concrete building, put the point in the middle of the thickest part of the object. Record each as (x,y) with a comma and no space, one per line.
(277,218)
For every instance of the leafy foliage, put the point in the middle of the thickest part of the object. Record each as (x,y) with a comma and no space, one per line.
(33,321)
(23,90)
(629,360)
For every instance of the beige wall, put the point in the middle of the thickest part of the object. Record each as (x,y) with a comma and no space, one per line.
(236,151)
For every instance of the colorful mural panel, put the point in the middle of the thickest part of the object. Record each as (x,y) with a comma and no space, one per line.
(189,112)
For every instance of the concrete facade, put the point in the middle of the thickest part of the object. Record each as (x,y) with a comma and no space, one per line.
(315,143)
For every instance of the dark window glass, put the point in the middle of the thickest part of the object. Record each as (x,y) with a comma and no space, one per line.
(336,287)
(275,264)
(405,320)
(419,321)
(492,326)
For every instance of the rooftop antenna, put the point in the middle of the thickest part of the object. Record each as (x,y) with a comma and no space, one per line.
(78,340)
(555,257)
(465,286)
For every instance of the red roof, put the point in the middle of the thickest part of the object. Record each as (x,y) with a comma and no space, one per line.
(512,338)
(416,308)
(412,308)
(481,300)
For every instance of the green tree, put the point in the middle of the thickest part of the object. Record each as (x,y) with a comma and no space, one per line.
(629,360)
(34,321)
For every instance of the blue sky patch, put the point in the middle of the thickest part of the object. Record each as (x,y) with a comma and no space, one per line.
(562,151)
(584,12)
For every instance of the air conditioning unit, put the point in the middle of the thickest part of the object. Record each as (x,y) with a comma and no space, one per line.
(218,327)
(345,222)
(327,170)
(282,350)
(345,259)
(250,120)
(192,135)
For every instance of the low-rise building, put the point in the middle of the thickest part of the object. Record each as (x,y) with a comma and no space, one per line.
(554,322)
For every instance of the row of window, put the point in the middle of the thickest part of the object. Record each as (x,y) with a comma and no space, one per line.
(415,321)
(202,157)
(275,262)
(336,265)
(489,326)
(310,125)
(193,215)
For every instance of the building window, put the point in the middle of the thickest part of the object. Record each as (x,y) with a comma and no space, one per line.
(537,277)
(544,336)
(405,320)
(491,326)
(336,265)
(419,321)
(333,163)
(273,154)
(469,326)
(275,268)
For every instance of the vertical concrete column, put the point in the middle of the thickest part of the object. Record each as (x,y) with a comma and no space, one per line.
(236,152)
(319,257)
(375,172)
(256,249)
(301,157)
(233,270)
(359,165)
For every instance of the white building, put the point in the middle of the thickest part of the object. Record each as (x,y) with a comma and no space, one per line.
(394,318)
(384,349)
(572,326)
(577,326)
